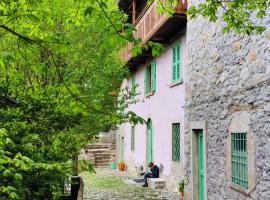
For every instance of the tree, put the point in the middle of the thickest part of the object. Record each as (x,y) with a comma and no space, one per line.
(58,64)
(242,16)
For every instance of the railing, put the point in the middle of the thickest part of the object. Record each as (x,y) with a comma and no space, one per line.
(149,22)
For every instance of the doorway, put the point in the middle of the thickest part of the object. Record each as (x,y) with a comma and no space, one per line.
(122,150)
(149,147)
(198,164)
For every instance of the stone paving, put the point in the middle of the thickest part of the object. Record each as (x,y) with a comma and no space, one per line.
(113,185)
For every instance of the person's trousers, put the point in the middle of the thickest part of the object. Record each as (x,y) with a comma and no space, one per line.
(147,175)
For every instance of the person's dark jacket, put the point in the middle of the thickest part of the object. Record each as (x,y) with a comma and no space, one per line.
(154,172)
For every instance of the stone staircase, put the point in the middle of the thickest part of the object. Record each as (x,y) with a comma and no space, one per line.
(101,154)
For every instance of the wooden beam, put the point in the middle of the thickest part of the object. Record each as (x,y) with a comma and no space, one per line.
(133,11)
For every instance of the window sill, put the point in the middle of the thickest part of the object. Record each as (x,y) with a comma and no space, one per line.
(149,94)
(176,83)
(240,189)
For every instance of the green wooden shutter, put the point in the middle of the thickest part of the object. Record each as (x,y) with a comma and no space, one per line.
(153,76)
(173,65)
(145,80)
(176,61)
(178,67)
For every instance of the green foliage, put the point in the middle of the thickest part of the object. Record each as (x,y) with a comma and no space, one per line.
(58,64)
(242,16)
(181,186)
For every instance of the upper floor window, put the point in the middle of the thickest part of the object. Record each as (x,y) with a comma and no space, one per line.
(176,61)
(150,78)
(239,159)
(176,142)
(133,87)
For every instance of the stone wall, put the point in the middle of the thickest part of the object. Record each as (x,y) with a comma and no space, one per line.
(107,137)
(228,81)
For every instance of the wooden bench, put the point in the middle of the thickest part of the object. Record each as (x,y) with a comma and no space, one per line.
(156,183)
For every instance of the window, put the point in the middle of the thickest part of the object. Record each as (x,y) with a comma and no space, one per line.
(176,71)
(239,165)
(176,142)
(133,87)
(150,78)
(132,146)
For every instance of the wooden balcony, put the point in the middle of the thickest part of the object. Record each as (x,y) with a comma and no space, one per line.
(152,25)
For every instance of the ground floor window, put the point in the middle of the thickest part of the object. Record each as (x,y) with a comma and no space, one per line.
(132,138)
(176,142)
(239,159)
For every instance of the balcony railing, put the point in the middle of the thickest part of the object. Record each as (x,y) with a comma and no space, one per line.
(149,22)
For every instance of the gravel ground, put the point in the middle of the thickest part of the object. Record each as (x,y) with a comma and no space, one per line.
(113,185)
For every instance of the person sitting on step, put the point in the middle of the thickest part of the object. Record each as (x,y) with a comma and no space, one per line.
(154,173)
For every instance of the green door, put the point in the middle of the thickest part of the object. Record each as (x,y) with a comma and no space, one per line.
(149,142)
(200,165)
(122,148)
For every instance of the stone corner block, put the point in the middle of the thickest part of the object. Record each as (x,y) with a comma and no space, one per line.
(156,183)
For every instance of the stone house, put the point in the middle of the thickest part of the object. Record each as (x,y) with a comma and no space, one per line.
(227,113)
(218,112)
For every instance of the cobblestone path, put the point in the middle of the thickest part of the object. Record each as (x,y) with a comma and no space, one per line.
(117,186)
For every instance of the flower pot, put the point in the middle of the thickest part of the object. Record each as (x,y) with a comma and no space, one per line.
(121,166)
(182,195)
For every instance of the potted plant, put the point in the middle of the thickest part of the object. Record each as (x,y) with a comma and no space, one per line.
(181,187)
(121,166)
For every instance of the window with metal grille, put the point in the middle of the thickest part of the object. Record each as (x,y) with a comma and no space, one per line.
(132,138)
(176,73)
(133,87)
(176,142)
(239,159)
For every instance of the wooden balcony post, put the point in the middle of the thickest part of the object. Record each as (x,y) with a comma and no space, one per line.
(133,11)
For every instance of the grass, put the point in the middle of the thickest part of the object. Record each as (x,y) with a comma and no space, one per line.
(106,182)
(116,185)
(110,182)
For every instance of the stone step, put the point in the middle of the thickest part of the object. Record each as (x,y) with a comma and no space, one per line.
(156,183)
(94,151)
(98,155)
(102,166)
(99,146)
(103,161)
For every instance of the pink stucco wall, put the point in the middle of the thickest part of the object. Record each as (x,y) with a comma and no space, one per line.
(165,107)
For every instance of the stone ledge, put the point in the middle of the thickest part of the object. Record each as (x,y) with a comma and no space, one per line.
(156,183)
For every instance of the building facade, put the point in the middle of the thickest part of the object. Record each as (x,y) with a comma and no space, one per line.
(221,104)
(227,113)
(159,101)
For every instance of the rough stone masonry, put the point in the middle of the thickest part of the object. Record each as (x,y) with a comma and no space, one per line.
(228,88)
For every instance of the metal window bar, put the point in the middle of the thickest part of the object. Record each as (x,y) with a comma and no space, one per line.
(176,142)
(239,159)
(132,138)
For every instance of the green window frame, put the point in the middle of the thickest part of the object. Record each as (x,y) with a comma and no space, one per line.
(176,142)
(176,62)
(239,159)
(133,87)
(132,138)
(150,78)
